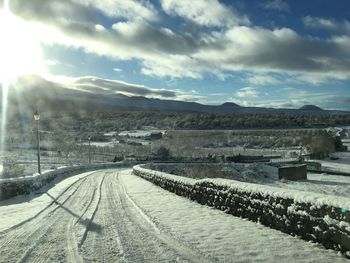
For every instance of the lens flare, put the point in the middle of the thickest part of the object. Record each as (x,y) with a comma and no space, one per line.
(20,54)
(4,87)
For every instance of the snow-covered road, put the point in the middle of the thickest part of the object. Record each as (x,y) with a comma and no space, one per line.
(114,216)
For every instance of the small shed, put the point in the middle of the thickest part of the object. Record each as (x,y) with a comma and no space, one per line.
(293,172)
(156,135)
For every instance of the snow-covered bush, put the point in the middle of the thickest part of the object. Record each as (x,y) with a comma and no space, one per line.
(10,169)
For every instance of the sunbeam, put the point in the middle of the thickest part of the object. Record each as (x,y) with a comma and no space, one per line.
(20,54)
(4,86)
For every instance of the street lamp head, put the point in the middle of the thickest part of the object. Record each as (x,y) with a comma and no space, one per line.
(36,116)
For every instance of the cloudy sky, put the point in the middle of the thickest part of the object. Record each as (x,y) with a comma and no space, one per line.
(274,53)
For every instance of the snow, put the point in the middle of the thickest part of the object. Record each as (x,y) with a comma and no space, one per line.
(102,144)
(21,208)
(260,203)
(140,133)
(110,134)
(60,170)
(10,187)
(322,183)
(266,190)
(221,236)
(335,130)
(115,142)
(119,217)
(138,141)
(235,150)
(341,165)
(319,183)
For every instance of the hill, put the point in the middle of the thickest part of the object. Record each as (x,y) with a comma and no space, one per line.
(310,108)
(90,93)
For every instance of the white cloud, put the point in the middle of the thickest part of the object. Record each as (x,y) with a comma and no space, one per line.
(247,92)
(204,12)
(165,52)
(100,28)
(175,66)
(294,98)
(279,5)
(95,85)
(257,79)
(280,51)
(183,96)
(130,9)
(52,62)
(329,24)
(313,79)
(117,69)
(248,96)
(287,78)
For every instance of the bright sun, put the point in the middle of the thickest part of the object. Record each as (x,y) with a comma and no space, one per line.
(20,52)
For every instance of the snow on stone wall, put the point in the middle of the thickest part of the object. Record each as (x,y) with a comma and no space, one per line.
(11,187)
(311,216)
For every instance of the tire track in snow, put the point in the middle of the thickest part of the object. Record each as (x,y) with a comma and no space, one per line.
(82,179)
(104,246)
(66,235)
(87,207)
(20,234)
(166,245)
(135,246)
(53,218)
(137,208)
(67,232)
(93,214)
(73,254)
(42,226)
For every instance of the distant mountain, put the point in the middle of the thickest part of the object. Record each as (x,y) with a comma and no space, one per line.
(53,96)
(229,105)
(310,108)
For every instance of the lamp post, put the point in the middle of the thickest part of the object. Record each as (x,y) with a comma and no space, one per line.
(37,118)
(89,138)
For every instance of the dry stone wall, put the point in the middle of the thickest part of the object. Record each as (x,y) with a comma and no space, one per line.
(310,216)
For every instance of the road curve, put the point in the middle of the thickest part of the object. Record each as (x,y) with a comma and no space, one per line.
(92,220)
(114,216)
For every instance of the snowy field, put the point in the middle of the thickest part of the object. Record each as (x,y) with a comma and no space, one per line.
(283,152)
(111,143)
(114,216)
(263,174)
(140,133)
(341,165)
(319,183)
